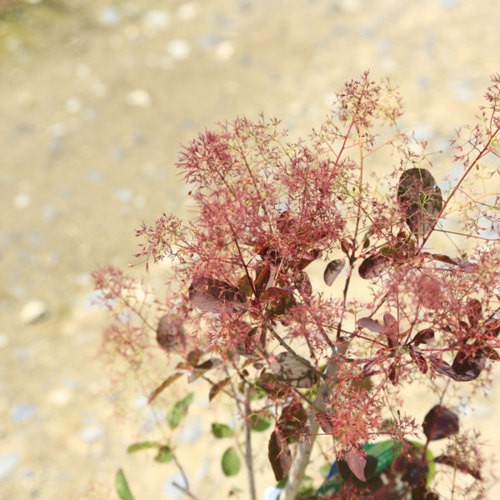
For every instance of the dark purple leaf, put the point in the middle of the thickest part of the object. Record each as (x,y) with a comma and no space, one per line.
(445,369)
(394,373)
(170,334)
(213,295)
(373,266)
(333,269)
(420,200)
(440,423)
(458,464)
(356,460)
(279,455)
(425,336)
(469,364)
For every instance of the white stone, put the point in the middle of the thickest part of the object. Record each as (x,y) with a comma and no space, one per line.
(4,340)
(179,49)
(33,311)
(154,21)
(21,201)
(138,98)
(60,397)
(224,51)
(73,105)
(188,11)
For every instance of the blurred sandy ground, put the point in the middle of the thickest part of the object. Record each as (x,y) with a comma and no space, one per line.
(95,98)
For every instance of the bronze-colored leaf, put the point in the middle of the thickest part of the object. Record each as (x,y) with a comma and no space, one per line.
(168,381)
(373,266)
(201,369)
(262,275)
(279,455)
(439,423)
(297,371)
(213,295)
(277,301)
(217,388)
(458,464)
(420,200)
(332,271)
(474,311)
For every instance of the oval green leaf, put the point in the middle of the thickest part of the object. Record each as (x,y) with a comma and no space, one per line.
(179,411)
(164,454)
(231,462)
(122,487)
(222,430)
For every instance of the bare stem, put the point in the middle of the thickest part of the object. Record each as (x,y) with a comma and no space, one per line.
(303,451)
(248,448)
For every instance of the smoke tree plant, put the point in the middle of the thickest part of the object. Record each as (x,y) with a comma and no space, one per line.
(299,363)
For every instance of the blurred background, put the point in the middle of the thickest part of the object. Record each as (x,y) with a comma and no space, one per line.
(96,97)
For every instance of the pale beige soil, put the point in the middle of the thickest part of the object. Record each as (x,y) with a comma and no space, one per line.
(95,98)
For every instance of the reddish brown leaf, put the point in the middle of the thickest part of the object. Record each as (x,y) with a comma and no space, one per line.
(279,455)
(262,275)
(333,269)
(306,259)
(293,421)
(217,388)
(439,423)
(419,199)
(370,324)
(418,359)
(474,311)
(458,464)
(356,460)
(194,357)
(394,373)
(391,330)
(293,369)
(277,301)
(373,266)
(170,334)
(168,381)
(325,422)
(212,295)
